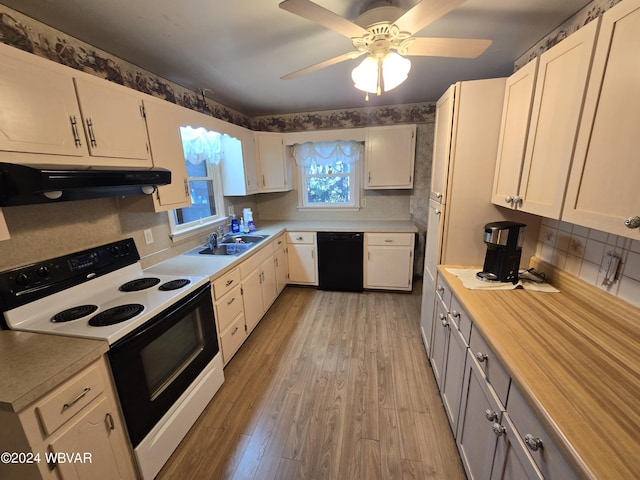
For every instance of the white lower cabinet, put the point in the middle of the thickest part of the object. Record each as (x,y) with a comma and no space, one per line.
(498,434)
(302,257)
(388,262)
(78,422)
(281,262)
(258,285)
(229,312)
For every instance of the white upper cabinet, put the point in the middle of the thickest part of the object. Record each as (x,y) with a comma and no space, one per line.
(47,120)
(390,153)
(516,110)
(113,119)
(442,145)
(602,192)
(274,170)
(40,112)
(164,120)
(238,166)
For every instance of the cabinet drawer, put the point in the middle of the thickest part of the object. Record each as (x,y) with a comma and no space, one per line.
(232,338)
(228,308)
(543,449)
(493,369)
(443,291)
(226,283)
(71,397)
(396,239)
(279,241)
(301,237)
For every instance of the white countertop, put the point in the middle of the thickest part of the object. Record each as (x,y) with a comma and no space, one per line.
(192,263)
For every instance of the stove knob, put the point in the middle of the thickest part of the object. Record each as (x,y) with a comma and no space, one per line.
(22,279)
(43,272)
(115,250)
(126,249)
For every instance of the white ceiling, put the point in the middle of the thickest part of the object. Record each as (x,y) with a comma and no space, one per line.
(238,50)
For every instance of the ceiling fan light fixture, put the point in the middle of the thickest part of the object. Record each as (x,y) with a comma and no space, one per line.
(374,76)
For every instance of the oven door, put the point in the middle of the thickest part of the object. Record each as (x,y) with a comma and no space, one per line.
(155,364)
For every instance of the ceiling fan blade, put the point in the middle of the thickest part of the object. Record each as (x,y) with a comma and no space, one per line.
(326,18)
(326,63)
(448,47)
(424,13)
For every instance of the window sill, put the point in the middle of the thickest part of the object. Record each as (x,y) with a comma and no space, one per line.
(190,232)
(323,208)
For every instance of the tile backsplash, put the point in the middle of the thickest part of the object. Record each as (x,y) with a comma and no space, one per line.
(582,251)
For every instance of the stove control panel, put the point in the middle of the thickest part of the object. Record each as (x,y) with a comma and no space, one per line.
(22,285)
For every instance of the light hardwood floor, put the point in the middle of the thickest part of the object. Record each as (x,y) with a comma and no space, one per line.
(330,385)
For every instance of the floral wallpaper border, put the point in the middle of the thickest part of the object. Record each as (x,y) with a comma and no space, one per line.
(592,11)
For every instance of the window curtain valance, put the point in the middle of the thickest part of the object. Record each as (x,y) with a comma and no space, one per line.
(327,153)
(200,144)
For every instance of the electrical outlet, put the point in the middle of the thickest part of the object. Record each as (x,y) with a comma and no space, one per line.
(148,236)
(363,202)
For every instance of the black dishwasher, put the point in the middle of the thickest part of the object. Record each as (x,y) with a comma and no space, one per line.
(340,261)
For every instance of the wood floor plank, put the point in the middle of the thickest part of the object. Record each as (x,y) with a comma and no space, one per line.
(329,386)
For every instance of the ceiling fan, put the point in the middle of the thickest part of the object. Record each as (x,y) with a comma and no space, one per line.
(385,35)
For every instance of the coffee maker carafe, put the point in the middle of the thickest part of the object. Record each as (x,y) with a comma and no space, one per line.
(504,248)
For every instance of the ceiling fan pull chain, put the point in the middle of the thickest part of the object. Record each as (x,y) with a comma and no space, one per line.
(380,77)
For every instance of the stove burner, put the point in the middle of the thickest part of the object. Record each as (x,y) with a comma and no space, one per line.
(174,284)
(139,284)
(116,315)
(74,313)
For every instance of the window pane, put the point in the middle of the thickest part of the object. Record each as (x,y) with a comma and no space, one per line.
(199,170)
(338,167)
(203,203)
(328,190)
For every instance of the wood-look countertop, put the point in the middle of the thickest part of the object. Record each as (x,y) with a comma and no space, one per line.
(575,355)
(31,364)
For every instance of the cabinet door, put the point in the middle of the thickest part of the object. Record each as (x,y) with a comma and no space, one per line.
(559,94)
(454,375)
(389,267)
(163,123)
(602,192)
(273,167)
(268,285)
(252,298)
(480,411)
(40,111)
(516,111)
(442,144)
(99,433)
(238,166)
(440,344)
(114,122)
(302,264)
(390,156)
(427,312)
(511,461)
(282,268)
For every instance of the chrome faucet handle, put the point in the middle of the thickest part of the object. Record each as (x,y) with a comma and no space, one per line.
(213,241)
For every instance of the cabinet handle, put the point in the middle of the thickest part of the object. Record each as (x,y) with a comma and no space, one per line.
(75,400)
(74,130)
(234,331)
(92,136)
(455,313)
(498,429)
(632,222)
(275,261)
(517,201)
(299,238)
(534,443)
(388,240)
(482,357)
(263,184)
(440,289)
(108,419)
(231,301)
(509,199)
(438,195)
(444,321)
(437,211)
(369,177)
(228,282)
(490,415)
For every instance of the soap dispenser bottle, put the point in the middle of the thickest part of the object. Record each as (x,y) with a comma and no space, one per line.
(235,226)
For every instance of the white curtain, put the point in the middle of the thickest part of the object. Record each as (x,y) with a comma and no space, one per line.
(327,153)
(200,144)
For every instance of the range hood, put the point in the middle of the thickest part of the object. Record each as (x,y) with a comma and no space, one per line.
(28,185)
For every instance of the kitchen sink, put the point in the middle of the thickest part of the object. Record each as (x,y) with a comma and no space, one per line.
(233,245)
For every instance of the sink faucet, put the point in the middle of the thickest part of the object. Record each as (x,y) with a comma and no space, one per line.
(213,241)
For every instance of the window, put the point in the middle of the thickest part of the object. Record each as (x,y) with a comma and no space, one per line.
(329,174)
(202,152)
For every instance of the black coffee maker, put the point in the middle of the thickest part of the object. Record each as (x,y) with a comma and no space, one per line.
(504,248)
